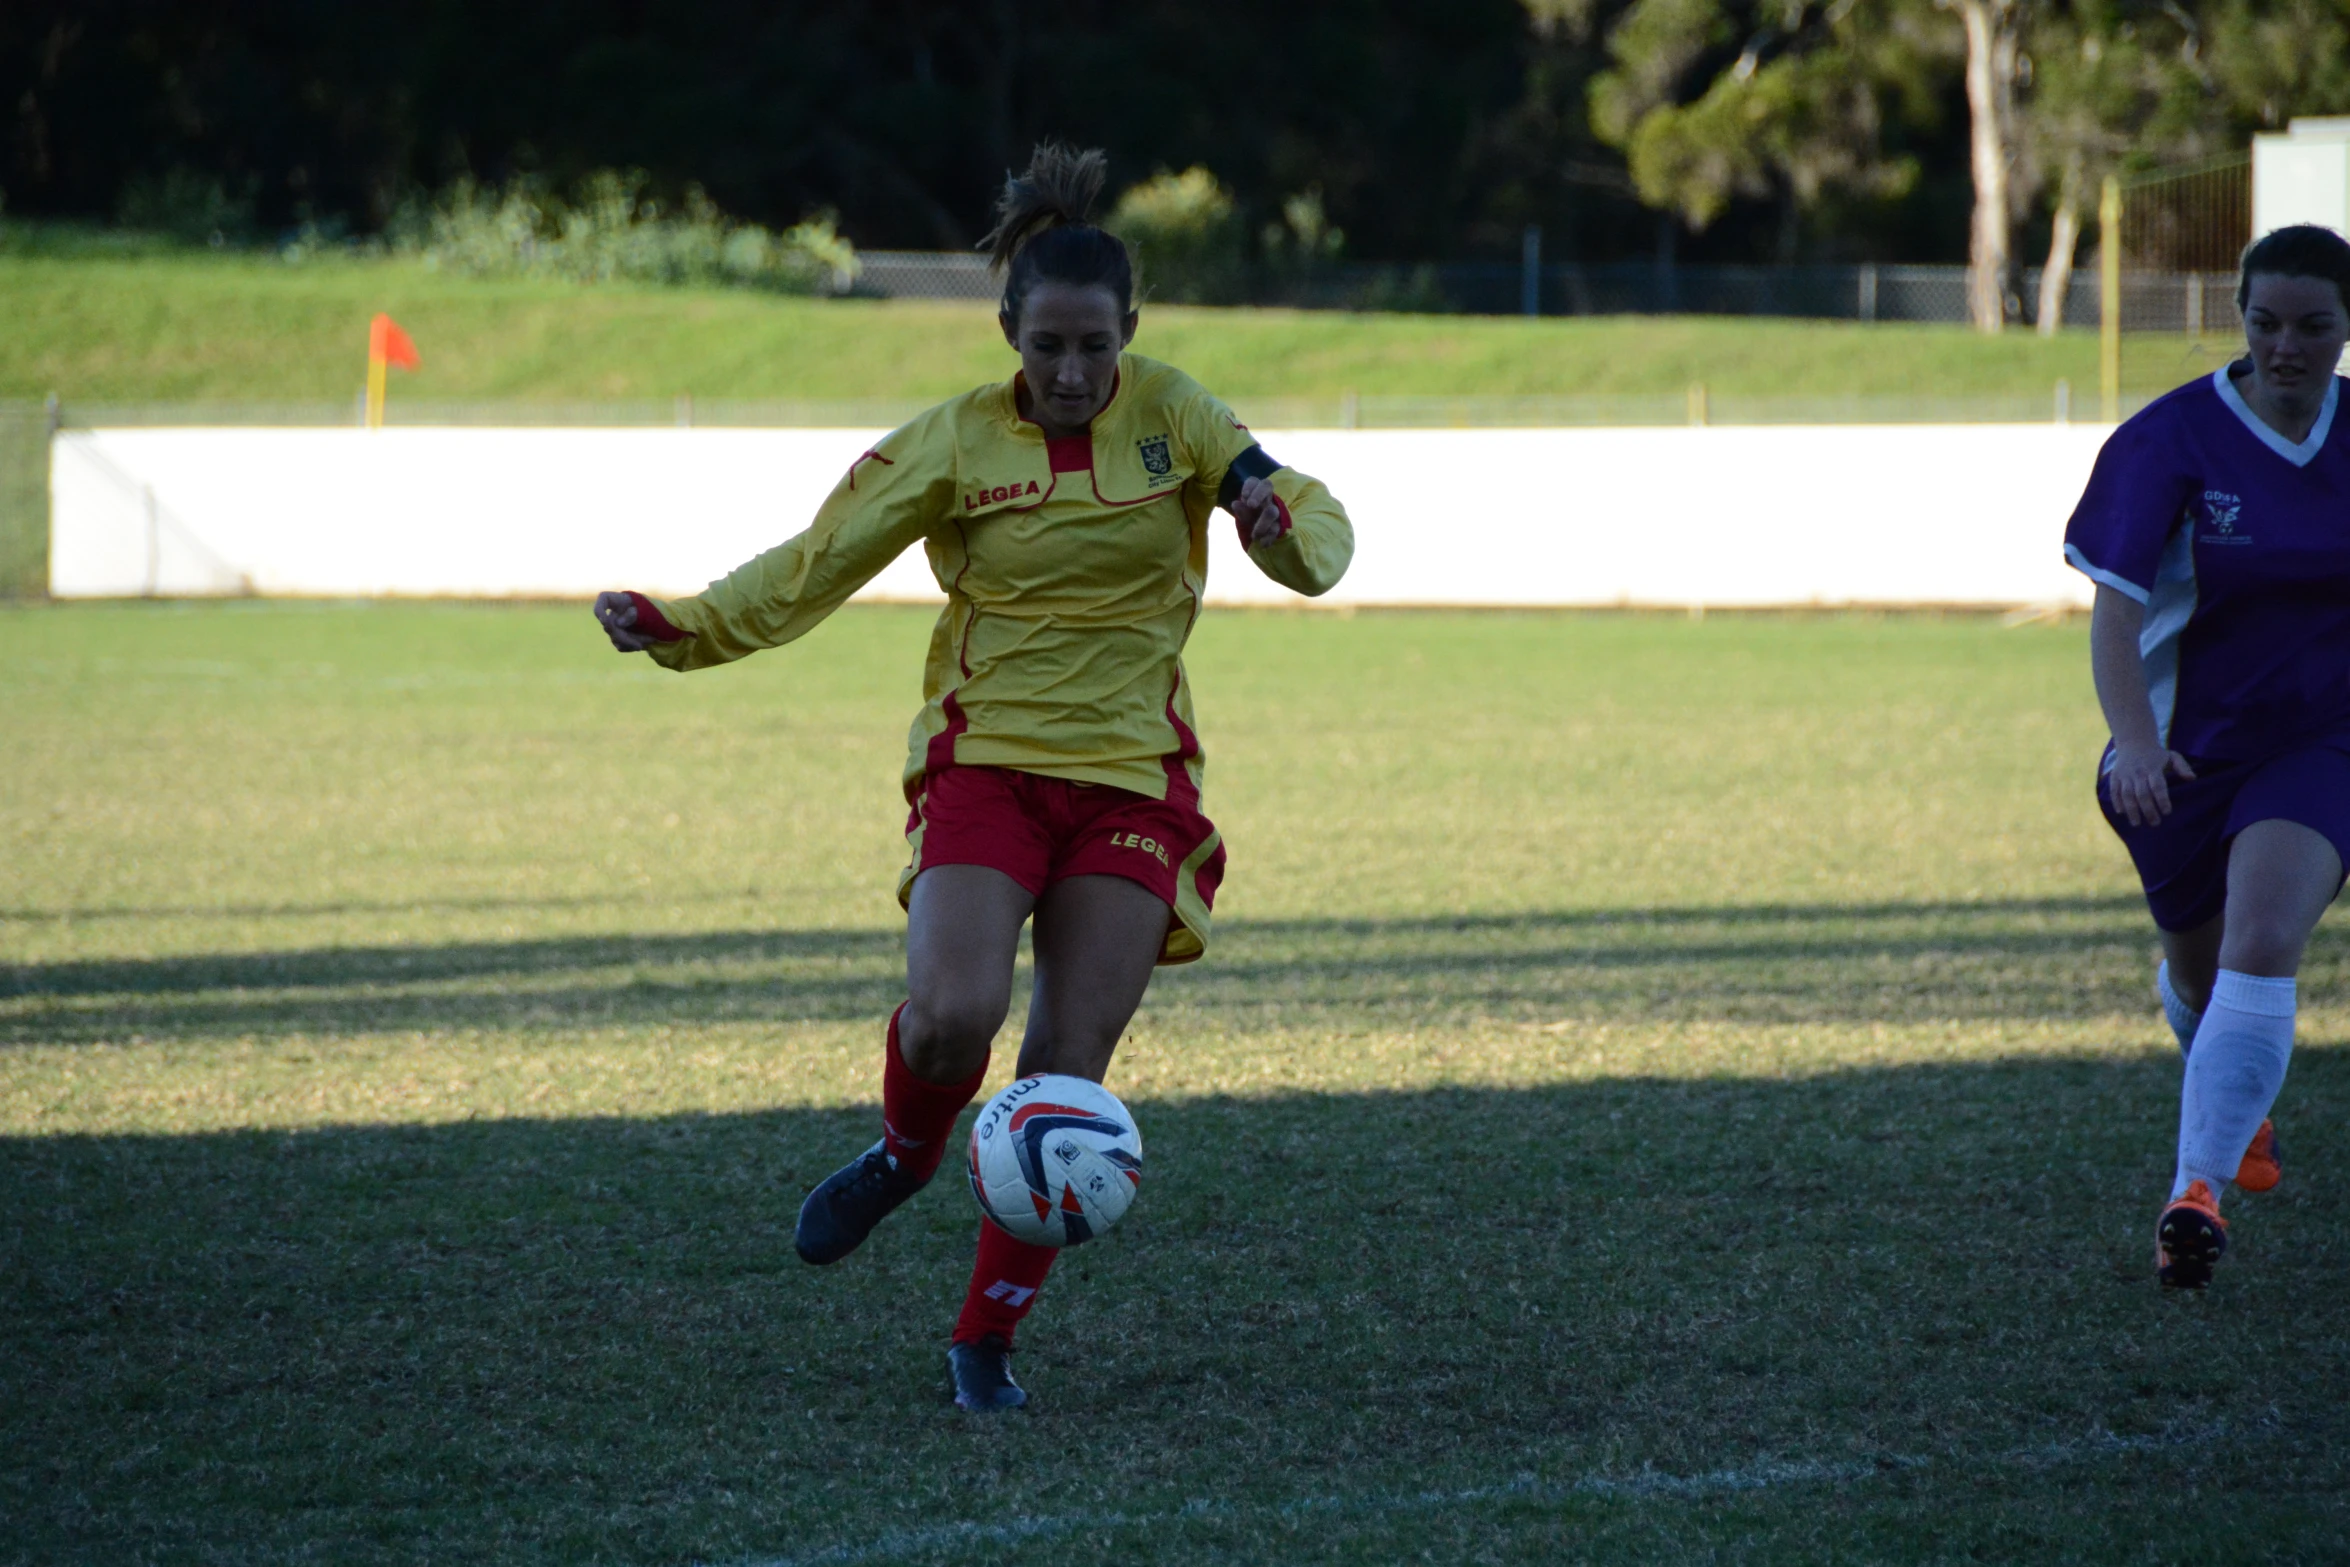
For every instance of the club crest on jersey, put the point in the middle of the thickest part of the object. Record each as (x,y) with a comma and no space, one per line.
(2223,511)
(1157,460)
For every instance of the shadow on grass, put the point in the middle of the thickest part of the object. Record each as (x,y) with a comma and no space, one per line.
(268,911)
(521,1341)
(1888,961)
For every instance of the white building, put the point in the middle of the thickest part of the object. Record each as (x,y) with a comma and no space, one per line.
(2302,176)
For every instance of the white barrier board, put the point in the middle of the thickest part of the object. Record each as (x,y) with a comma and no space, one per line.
(1747,516)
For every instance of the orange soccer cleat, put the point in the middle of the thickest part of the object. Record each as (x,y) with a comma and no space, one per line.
(2264,1161)
(2189,1239)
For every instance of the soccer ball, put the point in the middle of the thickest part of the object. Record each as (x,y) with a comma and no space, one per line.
(1055,1160)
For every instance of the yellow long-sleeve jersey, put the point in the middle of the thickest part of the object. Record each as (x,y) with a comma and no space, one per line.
(1073,570)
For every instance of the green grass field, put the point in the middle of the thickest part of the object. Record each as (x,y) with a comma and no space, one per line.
(198,327)
(1663,1090)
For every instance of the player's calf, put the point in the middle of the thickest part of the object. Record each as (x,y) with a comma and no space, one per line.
(916,1116)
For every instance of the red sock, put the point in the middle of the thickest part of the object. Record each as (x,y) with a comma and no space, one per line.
(917,1114)
(1004,1282)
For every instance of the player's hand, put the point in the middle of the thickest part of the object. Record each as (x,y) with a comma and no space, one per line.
(1258,514)
(2139,782)
(616,613)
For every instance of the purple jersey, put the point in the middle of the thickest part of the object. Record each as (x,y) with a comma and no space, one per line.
(2238,544)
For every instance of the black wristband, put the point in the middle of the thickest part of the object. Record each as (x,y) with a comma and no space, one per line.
(1251,464)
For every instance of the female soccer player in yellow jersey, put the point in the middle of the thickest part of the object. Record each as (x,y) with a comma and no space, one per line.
(1054,771)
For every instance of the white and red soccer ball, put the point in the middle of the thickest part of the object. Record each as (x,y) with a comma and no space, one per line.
(1055,1160)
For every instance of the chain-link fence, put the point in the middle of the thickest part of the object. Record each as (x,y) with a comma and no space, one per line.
(1860,292)
(681,412)
(925,274)
(2182,232)
(1696,404)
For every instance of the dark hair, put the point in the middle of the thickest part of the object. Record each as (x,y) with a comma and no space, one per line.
(2302,250)
(1042,233)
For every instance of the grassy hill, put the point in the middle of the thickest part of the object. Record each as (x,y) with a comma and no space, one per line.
(201,327)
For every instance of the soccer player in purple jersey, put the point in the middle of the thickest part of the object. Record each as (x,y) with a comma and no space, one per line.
(2217,528)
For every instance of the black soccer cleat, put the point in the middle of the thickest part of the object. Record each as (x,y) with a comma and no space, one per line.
(2189,1239)
(982,1372)
(841,1212)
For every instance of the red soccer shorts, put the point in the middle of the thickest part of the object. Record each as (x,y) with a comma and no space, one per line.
(1040,830)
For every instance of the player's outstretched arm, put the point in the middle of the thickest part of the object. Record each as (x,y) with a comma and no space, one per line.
(889,499)
(2143,766)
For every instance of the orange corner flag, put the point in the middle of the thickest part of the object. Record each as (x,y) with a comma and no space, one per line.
(385,341)
(386,345)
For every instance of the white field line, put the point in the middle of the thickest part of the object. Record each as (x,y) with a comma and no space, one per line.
(1769,1474)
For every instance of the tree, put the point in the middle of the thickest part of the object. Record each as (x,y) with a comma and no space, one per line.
(2062,92)
(900,116)
(1795,102)
(2268,60)
(1994,53)
(2110,81)
(2120,83)
(1186,233)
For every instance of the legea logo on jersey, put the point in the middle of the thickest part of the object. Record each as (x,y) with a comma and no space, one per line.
(991,495)
(1134,840)
(2222,511)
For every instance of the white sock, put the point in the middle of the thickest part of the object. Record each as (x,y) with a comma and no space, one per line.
(2183,1019)
(2234,1070)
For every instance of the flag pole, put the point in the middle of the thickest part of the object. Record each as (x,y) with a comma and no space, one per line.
(377,355)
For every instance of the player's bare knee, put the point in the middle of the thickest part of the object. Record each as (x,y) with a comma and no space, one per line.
(945,1036)
(2261,943)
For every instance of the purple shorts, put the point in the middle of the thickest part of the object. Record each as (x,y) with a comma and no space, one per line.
(2182,860)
